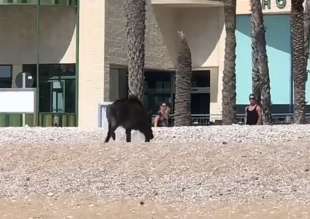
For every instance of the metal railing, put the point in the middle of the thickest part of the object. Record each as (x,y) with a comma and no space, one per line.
(15,119)
(200,119)
(197,119)
(57,119)
(277,118)
(204,119)
(45,120)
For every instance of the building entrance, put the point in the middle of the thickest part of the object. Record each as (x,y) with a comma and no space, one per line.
(159,87)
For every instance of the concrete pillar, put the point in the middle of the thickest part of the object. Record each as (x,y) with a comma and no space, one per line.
(216,76)
(91,61)
(215,98)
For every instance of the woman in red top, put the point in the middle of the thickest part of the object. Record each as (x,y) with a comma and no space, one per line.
(162,119)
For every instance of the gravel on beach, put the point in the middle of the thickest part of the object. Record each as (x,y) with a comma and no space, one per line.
(236,134)
(186,164)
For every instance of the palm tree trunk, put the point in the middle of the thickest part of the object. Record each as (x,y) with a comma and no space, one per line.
(299,60)
(182,113)
(136,50)
(229,73)
(256,82)
(259,39)
(307,33)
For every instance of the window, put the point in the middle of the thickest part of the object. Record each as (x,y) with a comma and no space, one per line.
(118,83)
(5,76)
(158,89)
(201,79)
(59,2)
(42,2)
(57,87)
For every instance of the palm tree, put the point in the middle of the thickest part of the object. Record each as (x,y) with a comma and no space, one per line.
(182,113)
(256,82)
(307,32)
(299,60)
(229,73)
(260,59)
(136,50)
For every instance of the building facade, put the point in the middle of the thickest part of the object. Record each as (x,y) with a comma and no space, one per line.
(39,38)
(74,55)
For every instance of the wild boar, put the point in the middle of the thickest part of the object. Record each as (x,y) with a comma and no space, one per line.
(130,114)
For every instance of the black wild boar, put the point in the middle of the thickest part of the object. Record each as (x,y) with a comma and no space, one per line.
(130,114)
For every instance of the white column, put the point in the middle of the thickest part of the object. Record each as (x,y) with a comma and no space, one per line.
(216,76)
(91,61)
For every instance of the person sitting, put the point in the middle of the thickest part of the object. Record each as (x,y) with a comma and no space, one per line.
(253,112)
(162,119)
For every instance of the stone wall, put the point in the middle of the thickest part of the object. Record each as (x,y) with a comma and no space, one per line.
(116,45)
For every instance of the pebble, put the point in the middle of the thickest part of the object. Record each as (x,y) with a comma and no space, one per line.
(50,194)
(209,134)
(231,161)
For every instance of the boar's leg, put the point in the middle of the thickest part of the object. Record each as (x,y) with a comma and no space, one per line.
(108,137)
(147,138)
(113,135)
(111,132)
(128,135)
(147,132)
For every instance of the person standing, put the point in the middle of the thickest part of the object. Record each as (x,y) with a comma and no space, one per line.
(253,112)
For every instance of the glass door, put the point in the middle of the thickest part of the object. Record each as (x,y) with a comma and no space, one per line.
(58,96)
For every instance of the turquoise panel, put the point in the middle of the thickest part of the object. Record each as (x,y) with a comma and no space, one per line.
(279,57)
(243,60)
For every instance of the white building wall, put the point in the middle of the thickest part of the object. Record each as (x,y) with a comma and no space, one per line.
(205,32)
(18,35)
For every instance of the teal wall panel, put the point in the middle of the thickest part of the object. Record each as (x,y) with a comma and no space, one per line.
(279,58)
(243,60)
